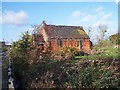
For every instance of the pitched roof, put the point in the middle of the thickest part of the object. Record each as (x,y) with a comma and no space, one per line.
(54,31)
(39,38)
(60,31)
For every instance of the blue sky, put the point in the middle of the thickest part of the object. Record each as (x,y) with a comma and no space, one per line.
(18,17)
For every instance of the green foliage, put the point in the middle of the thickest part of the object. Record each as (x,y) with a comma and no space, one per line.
(92,77)
(4,49)
(46,72)
(19,55)
(115,38)
(20,69)
(61,74)
(68,50)
(104,43)
(20,64)
(41,68)
(22,46)
(24,43)
(108,80)
(88,76)
(66,53)
(103,50)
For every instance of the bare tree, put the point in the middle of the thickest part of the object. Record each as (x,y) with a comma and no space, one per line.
(90,32)
(102,32)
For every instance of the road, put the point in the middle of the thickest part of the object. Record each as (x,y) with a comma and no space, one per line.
(3,75)
(0,70)
(4,79)
(0,76)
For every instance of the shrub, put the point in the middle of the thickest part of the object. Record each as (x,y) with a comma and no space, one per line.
(67,52)
(91,77)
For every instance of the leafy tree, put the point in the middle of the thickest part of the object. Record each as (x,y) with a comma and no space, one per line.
(25,43)
(22,46)
(115,38)
(19,55)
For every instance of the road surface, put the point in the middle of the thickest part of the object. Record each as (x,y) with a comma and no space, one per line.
(0,76)
(4,79)
(3,75)
(0,70)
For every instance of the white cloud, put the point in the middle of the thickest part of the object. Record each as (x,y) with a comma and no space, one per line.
(107,16)
(89,18)
(101,13)
(99,9)
(76,14)
(99,23)
(14,18)
(75,17)
(93,19)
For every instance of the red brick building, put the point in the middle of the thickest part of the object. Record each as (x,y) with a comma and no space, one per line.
(54,37)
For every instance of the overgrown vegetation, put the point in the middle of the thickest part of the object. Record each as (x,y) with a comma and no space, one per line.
(54,74)
(115,39)
(99,69)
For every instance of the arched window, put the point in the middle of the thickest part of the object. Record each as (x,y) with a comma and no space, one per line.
(59,42)
(80,44)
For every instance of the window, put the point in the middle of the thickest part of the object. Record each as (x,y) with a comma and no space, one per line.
(78,43)
(60,43)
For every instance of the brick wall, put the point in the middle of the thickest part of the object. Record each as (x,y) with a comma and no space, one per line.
(86,45)
(56,44)
(53,45)
(44,34)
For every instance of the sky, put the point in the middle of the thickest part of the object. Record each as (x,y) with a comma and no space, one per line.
(18,17)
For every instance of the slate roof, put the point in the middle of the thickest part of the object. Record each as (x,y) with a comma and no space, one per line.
(39,38)
(54,31)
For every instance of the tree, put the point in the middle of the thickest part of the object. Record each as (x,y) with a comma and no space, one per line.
(101,35)
(22,47)
(115,38)
(102,32)
(24,44)
(90,32)
(19,54)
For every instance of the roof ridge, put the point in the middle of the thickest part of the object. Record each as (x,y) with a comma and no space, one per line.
(62,25)
(44,24)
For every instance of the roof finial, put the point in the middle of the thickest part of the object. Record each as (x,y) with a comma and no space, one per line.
(44,22)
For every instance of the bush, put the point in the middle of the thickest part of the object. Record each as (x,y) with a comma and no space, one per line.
(115,38)
(20,70)
(68,50)
(68,53)
(91,77)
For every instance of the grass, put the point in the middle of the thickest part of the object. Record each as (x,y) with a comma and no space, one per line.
(108,52)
